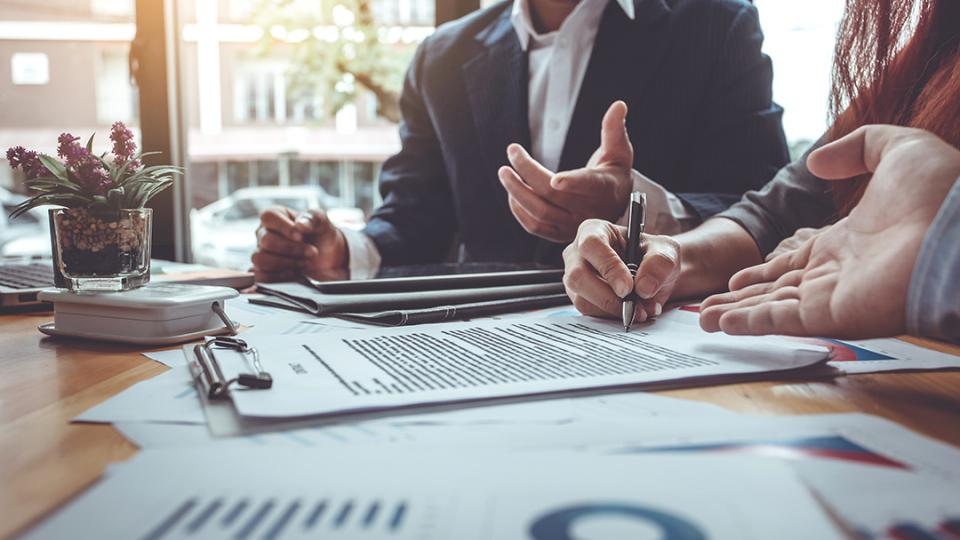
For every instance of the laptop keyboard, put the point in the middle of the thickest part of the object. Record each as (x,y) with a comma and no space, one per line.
(26,276)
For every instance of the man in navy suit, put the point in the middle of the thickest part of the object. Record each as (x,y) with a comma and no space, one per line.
(495,103)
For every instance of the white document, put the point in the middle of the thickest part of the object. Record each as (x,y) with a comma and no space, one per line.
(810,440)
(168,397)
(242,311)
(152,435)
(444,363)
(285,493)
(171,358)
(881,503)
(888,354)
(857,356)
(269,320)
(566,411)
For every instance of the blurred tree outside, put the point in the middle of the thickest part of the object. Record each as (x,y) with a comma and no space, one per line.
(337,49)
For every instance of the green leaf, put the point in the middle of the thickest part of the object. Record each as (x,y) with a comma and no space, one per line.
(117,174)
(154,191)
(90,143)
(55,167)
(53,184)
(40,200)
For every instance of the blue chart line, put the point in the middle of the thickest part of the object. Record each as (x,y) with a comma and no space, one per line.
(254,520)
(170,521)
(315,515)
(204,516)
(343,515)
(282,521)
(371,514)
(559,524)
(234,513)
(398,515)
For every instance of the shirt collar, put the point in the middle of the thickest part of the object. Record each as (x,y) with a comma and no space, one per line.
(523,21)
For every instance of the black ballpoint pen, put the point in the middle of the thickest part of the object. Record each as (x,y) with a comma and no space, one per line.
(635,222)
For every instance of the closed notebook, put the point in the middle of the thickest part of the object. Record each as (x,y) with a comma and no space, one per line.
(301,297)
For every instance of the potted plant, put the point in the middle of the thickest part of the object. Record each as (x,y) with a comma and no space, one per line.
(101,234)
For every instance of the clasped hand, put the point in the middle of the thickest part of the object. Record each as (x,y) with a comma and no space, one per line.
(291,245)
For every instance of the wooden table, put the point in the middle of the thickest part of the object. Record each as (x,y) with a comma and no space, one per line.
(45,460)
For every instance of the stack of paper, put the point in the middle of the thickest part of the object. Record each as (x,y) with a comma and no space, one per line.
(287,493)
(495,429)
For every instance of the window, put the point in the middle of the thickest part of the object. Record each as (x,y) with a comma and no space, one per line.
(799,37)
(269,98)
(63,66)
(275,109)
(116,97)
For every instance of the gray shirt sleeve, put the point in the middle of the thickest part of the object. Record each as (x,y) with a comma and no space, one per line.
(933,299)
(794,199)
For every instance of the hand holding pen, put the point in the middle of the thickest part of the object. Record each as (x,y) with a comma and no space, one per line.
(598,279)
(634,254)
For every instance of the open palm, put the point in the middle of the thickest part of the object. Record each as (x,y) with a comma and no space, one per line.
(851,279)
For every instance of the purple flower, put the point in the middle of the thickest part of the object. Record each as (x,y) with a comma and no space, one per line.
(123,146)
(27,161)
(84,167)
(70,150)
(93,176)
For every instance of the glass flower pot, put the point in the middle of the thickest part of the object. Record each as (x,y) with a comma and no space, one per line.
(105,250)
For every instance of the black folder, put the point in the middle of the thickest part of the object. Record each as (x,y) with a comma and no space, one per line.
(303,297)
(438,282)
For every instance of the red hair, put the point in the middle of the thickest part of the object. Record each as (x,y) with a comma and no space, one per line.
(896,62)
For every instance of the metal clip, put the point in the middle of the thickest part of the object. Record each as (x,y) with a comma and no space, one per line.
(206,369)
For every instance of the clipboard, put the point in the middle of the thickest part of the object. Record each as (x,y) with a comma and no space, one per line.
(207,373)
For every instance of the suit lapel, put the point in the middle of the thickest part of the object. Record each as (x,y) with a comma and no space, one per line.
(625,55)
(496,82)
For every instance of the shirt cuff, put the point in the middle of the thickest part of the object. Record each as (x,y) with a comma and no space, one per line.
(933,299)
(666,213)
(363,254)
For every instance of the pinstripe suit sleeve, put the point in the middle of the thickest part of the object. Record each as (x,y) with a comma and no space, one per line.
(933,299)
(739,144)
(795,198)
(415,224)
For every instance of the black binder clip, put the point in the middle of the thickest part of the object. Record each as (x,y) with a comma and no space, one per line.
(206,369)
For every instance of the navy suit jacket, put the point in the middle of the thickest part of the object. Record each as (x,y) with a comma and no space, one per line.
(702,122)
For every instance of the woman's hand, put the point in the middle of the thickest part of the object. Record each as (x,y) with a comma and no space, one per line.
(850,280)
(597,279)
(794,242)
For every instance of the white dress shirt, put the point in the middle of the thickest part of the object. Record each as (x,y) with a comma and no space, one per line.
(557,64)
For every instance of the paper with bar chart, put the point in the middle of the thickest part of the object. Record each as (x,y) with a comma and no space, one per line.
(385,368)
(281,493)
(830,442)
(889,504)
